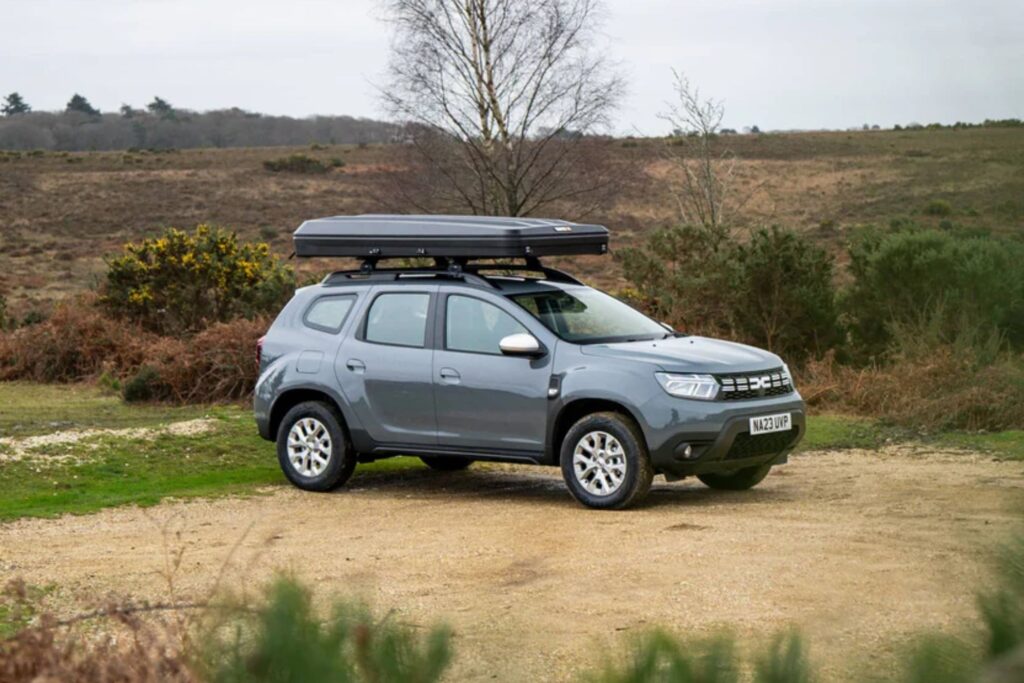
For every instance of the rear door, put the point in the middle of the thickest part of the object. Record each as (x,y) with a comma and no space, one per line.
(485,399)
(386,366)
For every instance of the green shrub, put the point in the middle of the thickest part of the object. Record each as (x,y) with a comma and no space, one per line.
(776,291)
(785,300)
(938,207)
(179,283)
(785,661)
(1002,608)
(658,657)
(940,659)
(296,163)
(143,386)
(5,321)
(287,641)
(684,275)
(108,383)
(900,275)
(34,316)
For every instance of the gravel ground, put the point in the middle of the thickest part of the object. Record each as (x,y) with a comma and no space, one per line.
(861,549)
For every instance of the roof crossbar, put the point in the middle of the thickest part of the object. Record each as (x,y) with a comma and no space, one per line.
(449,267)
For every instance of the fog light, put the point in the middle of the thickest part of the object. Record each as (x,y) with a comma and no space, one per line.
(684,451)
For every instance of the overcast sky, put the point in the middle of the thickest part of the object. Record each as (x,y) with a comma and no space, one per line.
(779,64)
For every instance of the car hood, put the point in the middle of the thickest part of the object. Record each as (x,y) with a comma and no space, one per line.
(689,354)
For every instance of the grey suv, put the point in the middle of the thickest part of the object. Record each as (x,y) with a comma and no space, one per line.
(517,363)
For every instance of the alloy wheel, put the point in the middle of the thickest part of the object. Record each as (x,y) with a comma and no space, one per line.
(309,447)
(599,463)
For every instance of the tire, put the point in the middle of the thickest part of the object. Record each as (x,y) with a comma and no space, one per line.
(446,463)
(625,463)
(297,454)
(740,480)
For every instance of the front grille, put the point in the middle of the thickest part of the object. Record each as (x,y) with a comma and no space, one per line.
(747,446)
(737,387)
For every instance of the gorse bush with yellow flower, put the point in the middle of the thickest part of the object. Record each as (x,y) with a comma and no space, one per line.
(181,282)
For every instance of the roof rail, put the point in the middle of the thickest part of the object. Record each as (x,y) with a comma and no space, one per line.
(448,268)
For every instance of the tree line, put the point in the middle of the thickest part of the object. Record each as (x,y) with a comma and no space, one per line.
(160,125)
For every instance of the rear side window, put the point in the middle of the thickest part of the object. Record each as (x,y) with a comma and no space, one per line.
(328,313)
(399,319)
(477,326)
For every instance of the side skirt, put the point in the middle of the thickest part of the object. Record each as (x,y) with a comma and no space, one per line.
(387,451)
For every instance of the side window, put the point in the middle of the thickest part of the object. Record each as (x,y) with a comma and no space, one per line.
(328,313)
(475,325)
(399,319)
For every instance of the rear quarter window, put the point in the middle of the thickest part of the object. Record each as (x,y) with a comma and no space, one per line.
(328,313)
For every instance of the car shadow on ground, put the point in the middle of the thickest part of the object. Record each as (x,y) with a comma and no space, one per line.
(540,486)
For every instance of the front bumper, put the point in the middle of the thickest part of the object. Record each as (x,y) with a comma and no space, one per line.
(720,439)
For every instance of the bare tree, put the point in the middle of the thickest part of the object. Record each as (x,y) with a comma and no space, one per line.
(498,96)
(703,182)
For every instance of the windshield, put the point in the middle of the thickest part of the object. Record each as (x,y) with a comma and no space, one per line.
(587,316)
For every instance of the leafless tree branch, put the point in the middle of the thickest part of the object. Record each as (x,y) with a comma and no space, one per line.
(703,178)
(496,95)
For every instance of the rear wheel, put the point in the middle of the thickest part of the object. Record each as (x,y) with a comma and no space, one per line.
(312,447)
(446,464)
(740,480)
(605,462)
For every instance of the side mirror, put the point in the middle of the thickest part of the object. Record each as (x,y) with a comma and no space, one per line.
(520,345)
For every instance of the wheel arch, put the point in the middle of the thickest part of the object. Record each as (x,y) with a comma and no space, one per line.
(577,408)
(290,398)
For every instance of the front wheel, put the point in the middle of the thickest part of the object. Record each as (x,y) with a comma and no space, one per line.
(312,449)
(605,462)
(740,480)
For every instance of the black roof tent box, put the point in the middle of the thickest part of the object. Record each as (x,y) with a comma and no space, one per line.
(381,236)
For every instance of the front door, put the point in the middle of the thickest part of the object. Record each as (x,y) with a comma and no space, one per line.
(385,368)
(485,399)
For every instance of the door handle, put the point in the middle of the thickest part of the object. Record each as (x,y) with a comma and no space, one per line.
(450,376)
(355,365)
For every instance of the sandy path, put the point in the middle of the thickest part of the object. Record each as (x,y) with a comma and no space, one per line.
(861,549)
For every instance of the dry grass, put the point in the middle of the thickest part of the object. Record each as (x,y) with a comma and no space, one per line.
(945,390)
(219,363)
(79,342)
(58,219)
(135,650)
(76,342)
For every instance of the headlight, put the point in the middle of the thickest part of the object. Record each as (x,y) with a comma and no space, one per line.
(787,375)
(701,387)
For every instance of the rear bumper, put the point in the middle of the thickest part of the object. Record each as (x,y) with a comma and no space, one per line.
(725,444)
(261,411)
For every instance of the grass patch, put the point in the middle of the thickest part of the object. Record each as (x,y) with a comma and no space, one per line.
(105,471)
(31,409)
(1008,445)
(832,431)
(108,470)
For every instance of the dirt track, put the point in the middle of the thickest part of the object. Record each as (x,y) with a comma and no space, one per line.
(860,549)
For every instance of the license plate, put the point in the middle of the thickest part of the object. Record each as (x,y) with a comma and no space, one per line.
(767,424)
